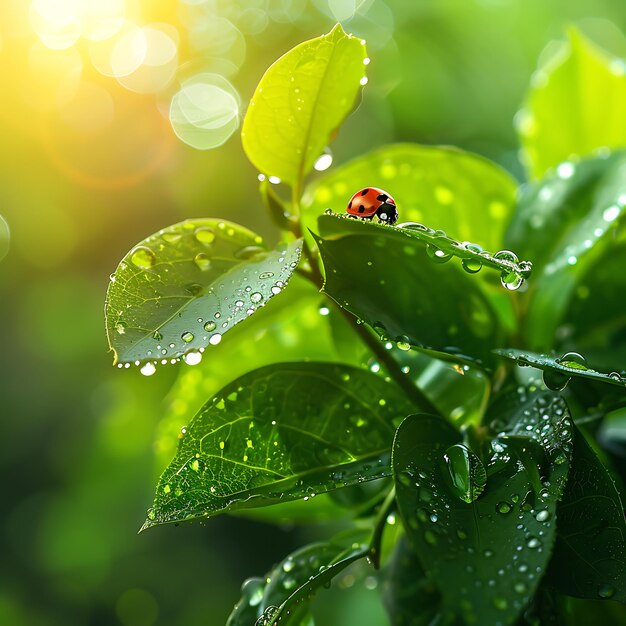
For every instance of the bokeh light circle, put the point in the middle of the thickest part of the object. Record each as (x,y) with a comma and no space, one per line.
(204,113)
(160,60)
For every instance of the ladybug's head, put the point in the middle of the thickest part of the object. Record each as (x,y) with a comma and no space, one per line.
(387,213)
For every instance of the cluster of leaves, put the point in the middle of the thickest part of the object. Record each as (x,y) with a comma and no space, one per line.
(404,398)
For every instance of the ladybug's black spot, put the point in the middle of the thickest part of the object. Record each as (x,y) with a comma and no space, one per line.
(361,208)
(350,204)
(364,192)
(382,197)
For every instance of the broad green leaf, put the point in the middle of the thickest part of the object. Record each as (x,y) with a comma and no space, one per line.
(589,558)
(181,289)
(300,102)
(386,278)
(566,224)
(410,598)
(561,369)
(485,557)
(575,105)
(469,197)
(282,432)
(284,595)
(287,329)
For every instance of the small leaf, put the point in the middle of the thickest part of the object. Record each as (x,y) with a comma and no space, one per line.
(575,104)
(386,278)
(286,431)
(409,596)
(486,557)
(459,192)
(589,558)
(301,100)
(284,595)
(181,289)
(561,370)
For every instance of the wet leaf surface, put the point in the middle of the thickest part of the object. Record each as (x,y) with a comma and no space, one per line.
(286,431)
(589,558)
(180,290)
(387,279)
(563,368)
(284,595)
(464,194)
(581,91)
(486,557)
(300,101)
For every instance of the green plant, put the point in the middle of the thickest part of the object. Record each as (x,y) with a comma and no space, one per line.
(414,405)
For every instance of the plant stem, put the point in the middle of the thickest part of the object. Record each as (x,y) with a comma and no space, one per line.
(415,394)
(379,527)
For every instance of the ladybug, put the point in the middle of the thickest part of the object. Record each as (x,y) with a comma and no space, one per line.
(373,201)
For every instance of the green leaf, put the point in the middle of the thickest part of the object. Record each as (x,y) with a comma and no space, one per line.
(410,598)
(284,595)
(486,557)
(595,320)
(282,432)
(569,365)
(566,224)
(181,289)
(386,278)
(590,552)
(464,194)
(300,102)
(575,105)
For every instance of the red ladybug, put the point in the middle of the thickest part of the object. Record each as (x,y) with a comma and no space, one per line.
(373,201)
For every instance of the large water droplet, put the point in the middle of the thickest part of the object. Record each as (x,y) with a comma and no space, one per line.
(215,339)
(555,381)
(467,473)
(573,360)
(210,325)
(143,258)
(187,337)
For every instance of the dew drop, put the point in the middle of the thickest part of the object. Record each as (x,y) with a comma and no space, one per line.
(148,369)
(143,258)
(120,328)
(187,337)
(606,591)
(202,261)
(205,235)
(437,254)
(256,297)
(210,325)
(403,343)
(215,339)
(503,507)
(324,161)
(192,358)
(472,265)
(533,543)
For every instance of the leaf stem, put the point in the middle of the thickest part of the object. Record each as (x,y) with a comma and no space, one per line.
(379,527)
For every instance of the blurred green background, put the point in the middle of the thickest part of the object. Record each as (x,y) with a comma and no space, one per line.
(111,116)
